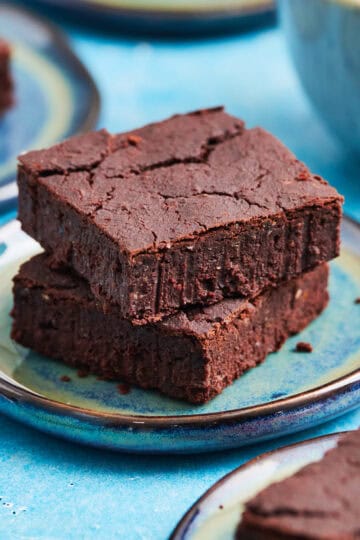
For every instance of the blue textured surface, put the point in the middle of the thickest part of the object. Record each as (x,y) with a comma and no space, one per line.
(58,490)
(62,491)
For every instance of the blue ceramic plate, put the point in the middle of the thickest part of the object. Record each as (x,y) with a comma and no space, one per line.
(216,514)
(171,16)
(55,96)
(287,393)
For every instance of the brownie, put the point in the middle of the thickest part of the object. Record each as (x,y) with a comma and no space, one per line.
(320,502)
(192,355)
(6,85)
(187,211)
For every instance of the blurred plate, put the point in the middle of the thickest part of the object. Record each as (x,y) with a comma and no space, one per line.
(172,17)
(216,514)
(55,96)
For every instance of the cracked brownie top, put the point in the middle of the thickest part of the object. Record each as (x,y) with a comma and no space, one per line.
(169,181)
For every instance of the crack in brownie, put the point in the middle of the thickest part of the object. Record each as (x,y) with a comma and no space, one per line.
(192,355)
(6,85)
(184,212)
(320,502)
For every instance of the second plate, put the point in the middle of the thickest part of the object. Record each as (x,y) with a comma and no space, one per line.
(216,514)
(171,17)
(55,97)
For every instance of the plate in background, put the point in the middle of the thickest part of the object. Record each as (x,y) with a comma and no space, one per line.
(216,514)
(171,17)
(55,97)
(287,393)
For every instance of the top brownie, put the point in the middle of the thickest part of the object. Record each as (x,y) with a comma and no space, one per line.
(186,211)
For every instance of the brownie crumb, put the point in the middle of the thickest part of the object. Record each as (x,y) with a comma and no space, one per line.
(65,378)
(221,507)
(303,176)
(357,300)
(134,139)
(303,346)
(82,373)
(123,388)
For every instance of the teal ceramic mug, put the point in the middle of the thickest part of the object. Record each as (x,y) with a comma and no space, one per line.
(324,40)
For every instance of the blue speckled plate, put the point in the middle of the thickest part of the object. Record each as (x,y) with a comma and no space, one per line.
(55,96)
(216,514)
(287,393)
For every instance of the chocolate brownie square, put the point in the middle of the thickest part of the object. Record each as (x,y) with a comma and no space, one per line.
(320,502)
(184,212)
(192,355)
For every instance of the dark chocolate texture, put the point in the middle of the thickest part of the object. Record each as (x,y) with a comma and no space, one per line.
(192,355)
(188,211)
(320,502)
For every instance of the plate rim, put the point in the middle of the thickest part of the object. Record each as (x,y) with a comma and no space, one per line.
(183,522)
(71,59)
(59,39)
(265,6)
(13,391)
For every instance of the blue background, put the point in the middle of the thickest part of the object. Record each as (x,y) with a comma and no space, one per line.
(52,489)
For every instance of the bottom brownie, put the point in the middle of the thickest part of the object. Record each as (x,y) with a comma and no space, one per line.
(320,502)
(192,355)
(6,86)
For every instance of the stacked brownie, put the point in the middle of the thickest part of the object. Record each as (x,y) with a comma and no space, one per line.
(6,86)
(177,256)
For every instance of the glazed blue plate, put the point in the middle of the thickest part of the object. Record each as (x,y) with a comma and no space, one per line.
(287,393)
(55,96)
(171,17)
(217,513)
